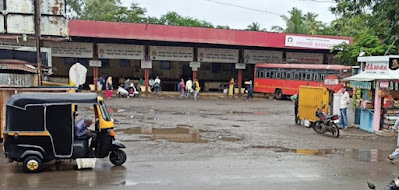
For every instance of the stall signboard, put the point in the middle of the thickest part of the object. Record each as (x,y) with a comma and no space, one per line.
(240,65)
(218,55)
(361,85)
(120,51)
(70,49)
(146,64)
(171,53)
(384,84)
(312,42)
(195,64)
(311,58)
(262,56)
(375,68)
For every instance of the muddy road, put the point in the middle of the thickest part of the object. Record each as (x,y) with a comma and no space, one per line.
(219,144)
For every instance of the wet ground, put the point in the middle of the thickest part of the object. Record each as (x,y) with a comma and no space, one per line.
(219,144)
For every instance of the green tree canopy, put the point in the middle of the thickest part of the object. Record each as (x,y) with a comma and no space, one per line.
(255,26)
(173,18)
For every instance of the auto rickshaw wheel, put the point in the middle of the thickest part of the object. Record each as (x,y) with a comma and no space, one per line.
(32,164)
(117,157)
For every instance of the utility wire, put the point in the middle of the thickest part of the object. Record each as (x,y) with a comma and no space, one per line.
(242,7)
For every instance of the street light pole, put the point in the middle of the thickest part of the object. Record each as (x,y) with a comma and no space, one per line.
(38,42)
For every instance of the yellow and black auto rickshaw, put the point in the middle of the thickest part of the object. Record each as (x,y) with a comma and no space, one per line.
(40,128)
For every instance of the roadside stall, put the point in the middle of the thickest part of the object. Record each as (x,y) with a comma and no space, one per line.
(376,92)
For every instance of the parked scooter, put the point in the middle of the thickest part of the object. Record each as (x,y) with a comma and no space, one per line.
(131,92)
(326,123)
(392,185)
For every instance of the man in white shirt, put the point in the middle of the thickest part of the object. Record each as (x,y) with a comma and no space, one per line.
(157,85)
(189,87)
(343,107)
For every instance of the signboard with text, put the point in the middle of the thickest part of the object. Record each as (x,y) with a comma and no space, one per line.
(95,63)
(120,51)
(311,58)
(240,65)
(146,64)
(262,56)
(70,49)
(312,42)
(376,68)
(218,55)
(171,53)
(195,64)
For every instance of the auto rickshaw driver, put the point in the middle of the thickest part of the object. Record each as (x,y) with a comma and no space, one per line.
(81,130)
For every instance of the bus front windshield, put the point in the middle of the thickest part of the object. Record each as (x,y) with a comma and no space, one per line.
(104,111)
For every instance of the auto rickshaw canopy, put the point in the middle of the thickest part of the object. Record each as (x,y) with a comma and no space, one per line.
(24,99)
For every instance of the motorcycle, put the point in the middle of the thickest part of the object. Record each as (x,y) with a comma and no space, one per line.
(125,93)
(392,185)
(326,123)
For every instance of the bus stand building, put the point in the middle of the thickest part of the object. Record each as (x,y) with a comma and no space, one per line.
(213,56)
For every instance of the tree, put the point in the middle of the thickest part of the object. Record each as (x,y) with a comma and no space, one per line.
(173,18)
(222,27)
(255,26)
(299,23)
(111,10)
(370,43)
(74,8)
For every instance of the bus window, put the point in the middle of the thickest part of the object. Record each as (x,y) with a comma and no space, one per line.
(272,75)
(296,76)
(308,76)
(302,76)
(315,77)
(267,75)
(322,77)
(262,74)
(278,75)
(289,76)
(283,74)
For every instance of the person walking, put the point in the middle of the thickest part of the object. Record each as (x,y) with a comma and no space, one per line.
(343,107)
(395,154)
(109,88)
(189,88)
(196,89)
(231,87)
(295,99)
(250,90)
(181,87)
(157,85)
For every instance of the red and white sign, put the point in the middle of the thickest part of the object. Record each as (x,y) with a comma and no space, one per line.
(311,58)
(312,42)
(376,68)
(384,84)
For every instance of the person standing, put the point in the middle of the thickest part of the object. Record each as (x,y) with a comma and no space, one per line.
(157,85)
(181,87)
(189,88)
(395,154)
(343,107)
(250,90)
(141,83)
(109,88)
(121,80)
(231,87)
(295,99)
(196,89)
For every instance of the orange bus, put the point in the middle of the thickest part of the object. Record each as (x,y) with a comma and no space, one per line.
(285,79)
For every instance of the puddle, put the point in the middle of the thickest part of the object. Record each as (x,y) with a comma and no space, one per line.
(244,112)
(180,134)
(365,155)
(230,139)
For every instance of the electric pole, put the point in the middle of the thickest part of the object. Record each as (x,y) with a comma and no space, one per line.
(38,42)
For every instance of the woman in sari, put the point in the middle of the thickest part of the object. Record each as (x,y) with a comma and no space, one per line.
(109,90)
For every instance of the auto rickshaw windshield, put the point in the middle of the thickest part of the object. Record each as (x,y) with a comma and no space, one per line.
(104,111)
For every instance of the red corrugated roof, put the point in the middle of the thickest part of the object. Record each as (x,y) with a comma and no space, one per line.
(16,65)
(153,32)
(303,66)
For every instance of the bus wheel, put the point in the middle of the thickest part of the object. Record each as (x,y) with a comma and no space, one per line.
(278,94)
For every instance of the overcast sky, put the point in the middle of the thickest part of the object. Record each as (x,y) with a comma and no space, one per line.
(237,18)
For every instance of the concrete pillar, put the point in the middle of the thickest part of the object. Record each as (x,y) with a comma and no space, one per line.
(146,78)
(377,109)
(239,80)
(194,75)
